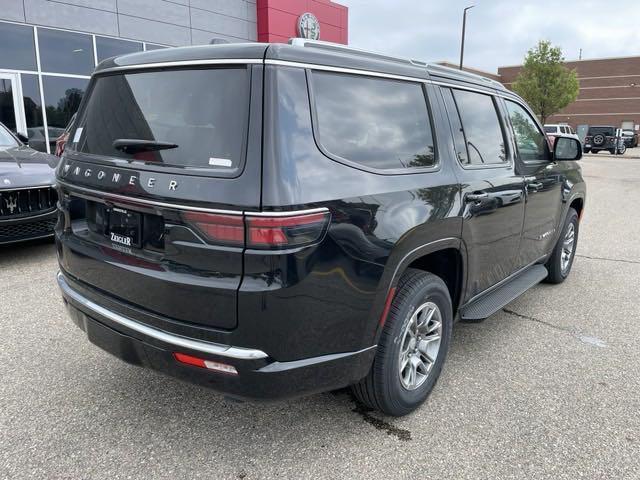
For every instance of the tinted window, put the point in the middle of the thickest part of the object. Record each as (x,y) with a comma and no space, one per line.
(62,98)
(531,142)
(204,112)
(548,129)
(483,134)
(7,108)
(33,112)
(111,47)
(17,50)
(65,52)
(378,123)
(6,139)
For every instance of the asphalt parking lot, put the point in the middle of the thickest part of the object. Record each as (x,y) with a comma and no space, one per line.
(547,388)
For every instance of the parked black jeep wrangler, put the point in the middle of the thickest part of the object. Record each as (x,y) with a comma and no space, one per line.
(603,138)
(276,220)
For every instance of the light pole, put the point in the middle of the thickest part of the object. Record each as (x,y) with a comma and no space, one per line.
(464,24)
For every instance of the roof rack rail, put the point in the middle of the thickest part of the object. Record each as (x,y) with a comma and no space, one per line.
(435,68)
(338,47)
(431,67)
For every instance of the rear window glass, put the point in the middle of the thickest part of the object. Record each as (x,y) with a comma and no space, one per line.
(603,130)
(378,123)
(201,114)
(549,129)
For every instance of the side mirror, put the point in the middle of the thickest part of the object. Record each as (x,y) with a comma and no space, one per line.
(567,148)
(23,138)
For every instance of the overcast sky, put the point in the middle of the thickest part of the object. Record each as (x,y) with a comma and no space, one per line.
(499,32)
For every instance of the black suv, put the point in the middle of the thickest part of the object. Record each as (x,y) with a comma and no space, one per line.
(276,220)
(603,137)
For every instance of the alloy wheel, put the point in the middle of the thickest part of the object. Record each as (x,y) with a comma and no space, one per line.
(420,345)
(568,245)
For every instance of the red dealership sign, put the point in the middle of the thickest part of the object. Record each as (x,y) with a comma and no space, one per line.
(279,20)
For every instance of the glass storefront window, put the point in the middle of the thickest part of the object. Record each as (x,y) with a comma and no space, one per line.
(33,112)
(17,49)
(62,98)
(65,52)
(110,47)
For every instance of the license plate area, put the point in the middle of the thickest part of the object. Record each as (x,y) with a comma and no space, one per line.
(124,227)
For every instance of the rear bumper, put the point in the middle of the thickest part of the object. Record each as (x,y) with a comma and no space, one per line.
(259,377)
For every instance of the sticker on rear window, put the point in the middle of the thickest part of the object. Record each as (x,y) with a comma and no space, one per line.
(78,134)
(220,162)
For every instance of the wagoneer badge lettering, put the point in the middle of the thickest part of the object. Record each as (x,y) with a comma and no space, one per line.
(114,178)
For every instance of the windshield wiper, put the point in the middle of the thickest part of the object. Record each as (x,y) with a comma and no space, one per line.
(134,145)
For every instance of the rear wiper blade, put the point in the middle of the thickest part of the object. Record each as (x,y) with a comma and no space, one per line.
(134,145)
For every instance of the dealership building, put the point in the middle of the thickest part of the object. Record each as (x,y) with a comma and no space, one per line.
(609,92)
(48,49)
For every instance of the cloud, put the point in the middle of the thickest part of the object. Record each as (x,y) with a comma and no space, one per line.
(499,32)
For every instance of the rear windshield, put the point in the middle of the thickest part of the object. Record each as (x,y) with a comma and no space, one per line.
(196,118)
(603,130)
(549,129)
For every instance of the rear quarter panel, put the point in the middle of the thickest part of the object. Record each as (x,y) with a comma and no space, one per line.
(328,298)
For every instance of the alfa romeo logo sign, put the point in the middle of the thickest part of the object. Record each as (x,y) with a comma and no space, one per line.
(308,26)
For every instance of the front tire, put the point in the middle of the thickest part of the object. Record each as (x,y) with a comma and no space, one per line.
(412,346)
(561,260)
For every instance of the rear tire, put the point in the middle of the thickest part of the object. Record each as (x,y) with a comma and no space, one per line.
(561,260)
(393,385)
(587,150)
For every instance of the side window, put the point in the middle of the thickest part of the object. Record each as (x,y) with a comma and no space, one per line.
(378,123)
(482,131)
(531,142)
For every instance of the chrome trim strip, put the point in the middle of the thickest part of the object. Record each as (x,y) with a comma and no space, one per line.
(290,213)
(238,353)
(127,199)
(354,71)
(306,362)
(177,206)
(182,63)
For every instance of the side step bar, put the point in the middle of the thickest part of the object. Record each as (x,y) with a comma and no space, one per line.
(493,301)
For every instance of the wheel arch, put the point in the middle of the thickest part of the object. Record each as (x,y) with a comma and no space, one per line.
(434,257)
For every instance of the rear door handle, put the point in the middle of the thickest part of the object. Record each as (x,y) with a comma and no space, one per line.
(476,197)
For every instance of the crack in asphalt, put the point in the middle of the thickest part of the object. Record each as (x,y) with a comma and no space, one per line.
(537,320)
(622,260)
(589,340)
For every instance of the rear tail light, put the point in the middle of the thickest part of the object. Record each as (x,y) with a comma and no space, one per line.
(223,229)
(202,363)
(261,231)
